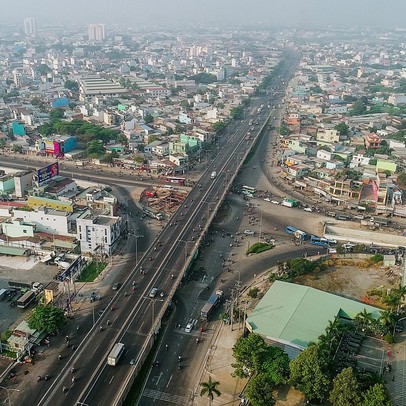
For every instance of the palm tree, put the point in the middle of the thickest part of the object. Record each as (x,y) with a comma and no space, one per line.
(364,318)
(210,388)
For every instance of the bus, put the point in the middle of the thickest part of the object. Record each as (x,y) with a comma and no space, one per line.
(290,230)
(25,299)
(115,354)
(214,301)
(248,189)
(178,181)
(321,242)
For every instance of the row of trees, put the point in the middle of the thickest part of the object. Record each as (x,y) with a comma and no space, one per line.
(313,372)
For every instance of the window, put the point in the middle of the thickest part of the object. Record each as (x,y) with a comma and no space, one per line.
(25,231)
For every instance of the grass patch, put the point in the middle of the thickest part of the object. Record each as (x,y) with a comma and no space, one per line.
(376,258)
(91,272)
(9,354)
(259,247)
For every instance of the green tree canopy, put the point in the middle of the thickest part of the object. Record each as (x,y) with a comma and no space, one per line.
(259,391)
(250,354)
(342,128)
(345,390)
(71,85)
(56,114)
(209,388)
(309,374)
(376,395)
(205,78)
(401,179)
(237,112)
(148,119)
(219,127)
(95,149)
(43,69)
(358,108)
(47,318)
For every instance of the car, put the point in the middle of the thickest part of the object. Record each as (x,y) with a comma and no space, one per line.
(267,199)
(153,292)
(116,286)
(332,241)
(309,209)
(275,202)
(249,232)
(188,328)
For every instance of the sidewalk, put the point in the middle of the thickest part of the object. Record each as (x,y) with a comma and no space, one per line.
(217,364)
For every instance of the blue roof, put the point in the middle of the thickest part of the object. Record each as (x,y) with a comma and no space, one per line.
(61,102)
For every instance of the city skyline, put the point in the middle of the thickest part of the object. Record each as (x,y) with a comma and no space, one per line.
(312,13)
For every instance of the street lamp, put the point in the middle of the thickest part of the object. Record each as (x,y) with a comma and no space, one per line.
(8,394)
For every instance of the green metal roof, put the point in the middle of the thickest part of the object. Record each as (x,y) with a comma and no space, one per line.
(12,251)
(297,315)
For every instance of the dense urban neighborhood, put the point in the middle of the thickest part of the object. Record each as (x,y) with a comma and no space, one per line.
(227,202)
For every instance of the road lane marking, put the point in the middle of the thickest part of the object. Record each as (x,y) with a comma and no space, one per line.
(111,380)
(159,378)
(169,381)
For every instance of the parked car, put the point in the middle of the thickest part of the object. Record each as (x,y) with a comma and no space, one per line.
(249,232)
(116,286)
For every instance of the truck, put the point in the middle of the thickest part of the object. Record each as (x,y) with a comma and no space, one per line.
(152,214)
(3,293)
(290,203)
(115,354)
(213,175)
(26,299)
(214,301)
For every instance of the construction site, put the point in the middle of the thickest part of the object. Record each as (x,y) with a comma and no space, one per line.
(162,202)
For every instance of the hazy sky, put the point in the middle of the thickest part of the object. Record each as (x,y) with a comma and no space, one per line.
(380,13)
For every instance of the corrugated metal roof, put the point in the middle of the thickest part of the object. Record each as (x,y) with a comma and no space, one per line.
(297,315)
(12,251)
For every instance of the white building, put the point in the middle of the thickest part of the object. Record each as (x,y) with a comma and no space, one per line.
(46,220)
(30,26)
(96,32)
(98,234)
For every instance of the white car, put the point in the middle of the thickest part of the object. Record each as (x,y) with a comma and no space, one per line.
(275,202)
(309,209)
(188,328)
(267,199)
(153,292)
(249,232)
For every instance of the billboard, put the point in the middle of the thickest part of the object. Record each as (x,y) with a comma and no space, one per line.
(49,147)
(48,172)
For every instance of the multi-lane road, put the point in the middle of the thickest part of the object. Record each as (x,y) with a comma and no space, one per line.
(133,316)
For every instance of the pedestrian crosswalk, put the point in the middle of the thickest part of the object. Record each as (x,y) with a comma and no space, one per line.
(163,396)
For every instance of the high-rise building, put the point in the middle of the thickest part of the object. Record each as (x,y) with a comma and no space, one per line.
(29,26)
(96,32)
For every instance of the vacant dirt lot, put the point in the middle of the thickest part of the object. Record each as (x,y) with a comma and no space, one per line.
(352,278)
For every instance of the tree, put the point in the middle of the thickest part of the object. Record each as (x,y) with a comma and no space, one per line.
(148,119)
(364,318)
(237,112)
(209,388)
(358,108)
(401,179)
(95,148)
(345,389)
(342,128)
(250,354)
(309,374)
(276,365)
(47,318)
(376,396)
(259,391)
(71,85)
(56,114)
(205,78)
(18,149)
(43,69)
(219,126)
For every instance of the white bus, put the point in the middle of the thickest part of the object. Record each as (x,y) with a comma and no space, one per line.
(115,354)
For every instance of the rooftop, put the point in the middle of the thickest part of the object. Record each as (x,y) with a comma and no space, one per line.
(297,315)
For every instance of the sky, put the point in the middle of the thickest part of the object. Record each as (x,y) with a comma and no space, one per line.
(222,13)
